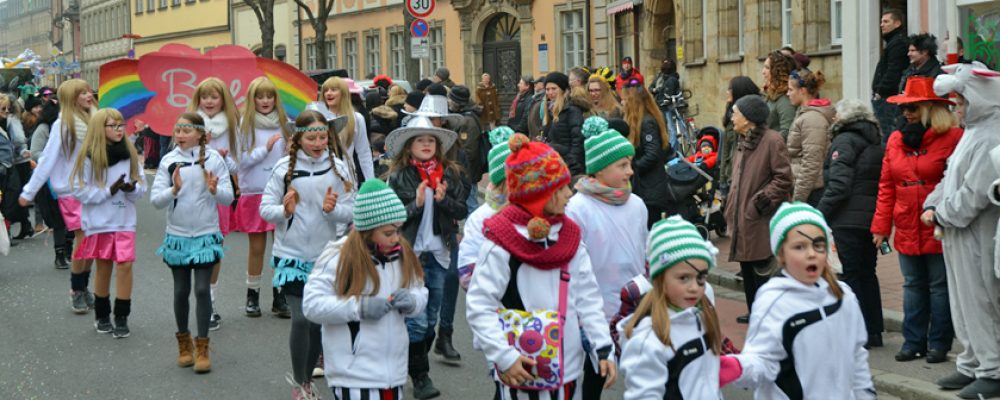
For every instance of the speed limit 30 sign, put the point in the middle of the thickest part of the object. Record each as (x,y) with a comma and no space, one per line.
(420,8)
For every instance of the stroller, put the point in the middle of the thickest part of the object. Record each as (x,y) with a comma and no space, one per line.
(693,193)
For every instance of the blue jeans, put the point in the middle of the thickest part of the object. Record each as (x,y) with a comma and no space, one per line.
(887,115)
(472,202)
(450,296)
(670,116)
(926,310)
(422,326)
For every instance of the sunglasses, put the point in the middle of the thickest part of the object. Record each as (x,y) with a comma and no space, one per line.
(908,107)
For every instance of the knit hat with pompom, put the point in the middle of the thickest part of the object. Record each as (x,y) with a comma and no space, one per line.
(604,149)
(534,173)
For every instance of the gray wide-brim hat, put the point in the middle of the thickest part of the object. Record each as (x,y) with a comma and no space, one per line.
(431,106)
(418,126)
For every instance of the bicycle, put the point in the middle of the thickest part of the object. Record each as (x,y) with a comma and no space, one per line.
(681,122)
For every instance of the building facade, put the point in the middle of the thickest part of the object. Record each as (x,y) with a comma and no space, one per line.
(201,24)
(246,30)
(46,27)
(103,24)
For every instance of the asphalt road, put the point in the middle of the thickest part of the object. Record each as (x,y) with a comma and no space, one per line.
(50,353)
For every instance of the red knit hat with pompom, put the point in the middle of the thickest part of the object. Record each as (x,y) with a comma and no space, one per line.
(534,173)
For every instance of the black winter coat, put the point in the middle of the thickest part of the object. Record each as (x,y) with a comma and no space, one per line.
(447,212)
(566,138)
(524,103)
(890,67)
(649,181)
(851,174)
(473,143)
(930,69)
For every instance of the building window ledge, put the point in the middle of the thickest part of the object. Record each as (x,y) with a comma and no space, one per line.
(834,51)
(696,63)
(731,59)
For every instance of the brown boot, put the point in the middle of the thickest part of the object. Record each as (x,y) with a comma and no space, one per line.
(201,362)
(185,350)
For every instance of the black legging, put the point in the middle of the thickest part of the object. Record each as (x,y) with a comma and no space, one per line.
(49,209)
(593,382)
(304,342)
(202,296)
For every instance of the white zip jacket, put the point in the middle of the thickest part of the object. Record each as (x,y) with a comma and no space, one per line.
(472,235)
(53,166)
(539,289)
(102,212)
(689,370)
(616,242)
(362,147)
(827,358)
(303,234)
(360,354)
(192,212)
(256,164)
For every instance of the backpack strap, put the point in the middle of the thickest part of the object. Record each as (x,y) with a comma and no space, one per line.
(302,174)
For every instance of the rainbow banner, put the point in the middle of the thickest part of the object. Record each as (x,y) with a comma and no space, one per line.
(121,88)
(294,88)
(158,87)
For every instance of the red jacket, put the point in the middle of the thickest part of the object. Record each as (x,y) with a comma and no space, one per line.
(907,178)
(710,158)
(620,80)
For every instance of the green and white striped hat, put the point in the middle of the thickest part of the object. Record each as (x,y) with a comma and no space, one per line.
(497,157)
(792,214)
(605,148)
(377,205)
(674,240)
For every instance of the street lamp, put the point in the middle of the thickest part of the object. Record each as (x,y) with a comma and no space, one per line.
(131,42)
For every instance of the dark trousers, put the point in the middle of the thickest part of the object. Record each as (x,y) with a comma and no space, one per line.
(858,255)
(49,209)
(887,115)
(450,295)
(593,382)
(755,274)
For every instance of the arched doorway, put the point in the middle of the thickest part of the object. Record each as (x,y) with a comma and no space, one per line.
(502,57)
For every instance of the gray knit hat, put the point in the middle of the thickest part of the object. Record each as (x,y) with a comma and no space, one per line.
(377,205)
(754,109)
(674,240)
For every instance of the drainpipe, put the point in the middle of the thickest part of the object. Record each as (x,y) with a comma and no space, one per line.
(298,23)
(588,32)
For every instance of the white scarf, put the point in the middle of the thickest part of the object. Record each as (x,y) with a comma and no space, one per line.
(80,126)
(266,121)
(217,125)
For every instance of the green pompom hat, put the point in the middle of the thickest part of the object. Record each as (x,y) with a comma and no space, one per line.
(604,149)
(673,240)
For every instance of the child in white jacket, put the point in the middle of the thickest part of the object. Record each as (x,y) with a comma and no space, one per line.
(806,336)
(107,181)
(189,184)
(496,198)
(528,245)
(612,222)
(264,134)
(671,344)
(307,198)
(362,289)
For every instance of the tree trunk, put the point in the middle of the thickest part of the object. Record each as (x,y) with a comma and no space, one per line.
(267,29)
(320,27)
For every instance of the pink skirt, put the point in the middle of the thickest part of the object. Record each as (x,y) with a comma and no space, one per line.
(69,207)
(247,216)
(115,246)
(227,219)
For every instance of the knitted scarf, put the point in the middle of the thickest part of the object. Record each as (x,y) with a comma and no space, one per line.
(430,171)
(500,229)
(606,194)
(80,127)
(117,151)
(216,125)
(266,121)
